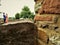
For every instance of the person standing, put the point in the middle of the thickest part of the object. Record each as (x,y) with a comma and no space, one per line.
(4,17)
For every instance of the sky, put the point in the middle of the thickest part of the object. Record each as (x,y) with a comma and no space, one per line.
(11,7)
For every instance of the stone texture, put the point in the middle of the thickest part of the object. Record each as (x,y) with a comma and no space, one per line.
(50,6)
(49,18)
(43,36)
(18,34)
(43,18)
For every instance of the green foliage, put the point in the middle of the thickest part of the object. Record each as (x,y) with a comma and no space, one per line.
(17,15)
(11,18)
(25,8)
(26,13)
(31,15)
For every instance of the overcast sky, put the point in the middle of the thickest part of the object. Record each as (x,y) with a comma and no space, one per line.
(13,6)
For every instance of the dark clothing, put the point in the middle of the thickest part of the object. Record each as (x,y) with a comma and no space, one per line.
(4,18)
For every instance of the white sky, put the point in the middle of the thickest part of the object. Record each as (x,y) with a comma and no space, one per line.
(13,6)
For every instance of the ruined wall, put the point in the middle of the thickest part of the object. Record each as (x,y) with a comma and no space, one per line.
(50,6)
(48,12)
(18,34)
(47,18)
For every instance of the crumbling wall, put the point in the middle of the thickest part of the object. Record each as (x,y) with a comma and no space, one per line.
(47,18)
(50,6)
(18,34)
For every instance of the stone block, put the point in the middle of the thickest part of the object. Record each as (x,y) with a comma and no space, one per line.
(43,36)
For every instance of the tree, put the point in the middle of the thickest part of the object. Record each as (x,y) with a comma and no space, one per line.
(26,13)
(31,15)
(11,18)
(17,15)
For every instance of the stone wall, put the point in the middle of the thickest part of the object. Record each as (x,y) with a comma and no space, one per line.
(47,18)
(49,6)
(18,34)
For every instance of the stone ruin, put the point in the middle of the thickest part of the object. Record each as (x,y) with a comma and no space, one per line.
(50,6)
(47,13)
(47,17)
(24,33)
